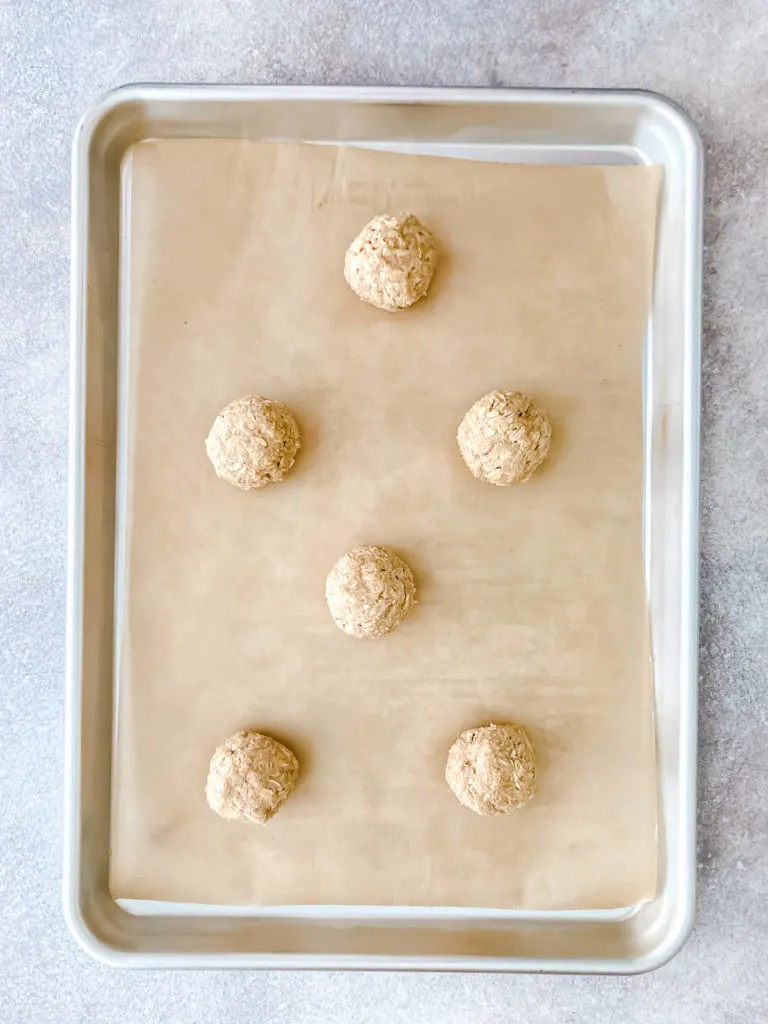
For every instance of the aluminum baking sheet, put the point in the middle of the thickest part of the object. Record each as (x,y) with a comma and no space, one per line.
(519,126)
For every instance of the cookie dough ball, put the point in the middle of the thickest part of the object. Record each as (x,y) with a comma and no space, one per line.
(504,437)
(369,591)
(253,442)
(492,769)
(250,777)
(391,262)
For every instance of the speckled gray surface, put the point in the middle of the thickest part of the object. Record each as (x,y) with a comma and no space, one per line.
(55,58)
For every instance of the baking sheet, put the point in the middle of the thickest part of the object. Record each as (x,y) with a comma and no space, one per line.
(532,604)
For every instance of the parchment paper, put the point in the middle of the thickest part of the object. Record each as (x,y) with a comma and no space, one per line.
(531,598)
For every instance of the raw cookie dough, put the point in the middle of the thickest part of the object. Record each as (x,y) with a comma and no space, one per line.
(492,769)
(250,777)
(369,591)
(504,437)
(253,442)
(391,262)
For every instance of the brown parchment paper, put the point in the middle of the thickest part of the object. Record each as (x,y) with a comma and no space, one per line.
(531,598)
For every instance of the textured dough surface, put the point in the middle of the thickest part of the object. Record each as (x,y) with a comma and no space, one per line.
(504,437)
(253,442)
(369,591)
(492,769)
(250,777)
(391,262)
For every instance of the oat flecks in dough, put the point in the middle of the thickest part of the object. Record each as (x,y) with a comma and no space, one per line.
(369,592)
(504,437)
(492,769)
(253,442)
(250,777)
(391,262)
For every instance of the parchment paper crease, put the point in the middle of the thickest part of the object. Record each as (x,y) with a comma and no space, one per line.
(531,598)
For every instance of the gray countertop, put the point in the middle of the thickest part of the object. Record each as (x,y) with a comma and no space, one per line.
(709,56)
